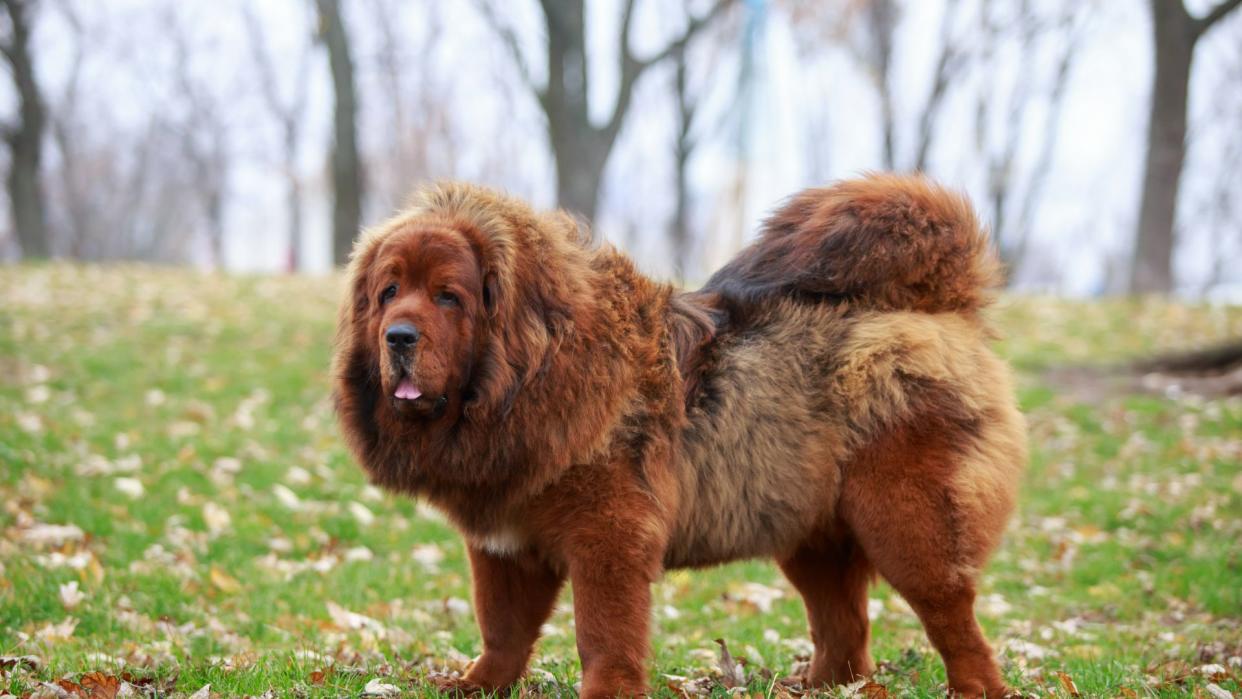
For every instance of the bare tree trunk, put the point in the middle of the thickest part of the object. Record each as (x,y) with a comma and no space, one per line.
(1166,148)
(580,148)
(64,133)
(346,165)
(25,139)
(215,225)
(1175,34)
(882,18)
(293,200)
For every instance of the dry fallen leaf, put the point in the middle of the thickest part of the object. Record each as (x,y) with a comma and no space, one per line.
(1067,683)
(70,595)
(66,688)
(347,620)
(873,690)
(98,684)
(287,497)
(131,487)
(1213,671)
(377,688)
(29,662)
(216,518)
(731,672)
(203,692)
(51,534)
(224,581)
(361,513)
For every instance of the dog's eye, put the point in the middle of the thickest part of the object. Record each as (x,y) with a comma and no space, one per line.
(387,294)
(447,298)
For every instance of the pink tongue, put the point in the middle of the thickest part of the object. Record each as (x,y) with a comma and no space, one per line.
(406,390)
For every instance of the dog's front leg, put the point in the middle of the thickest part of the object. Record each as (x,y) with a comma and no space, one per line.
(513,596)
(612,603)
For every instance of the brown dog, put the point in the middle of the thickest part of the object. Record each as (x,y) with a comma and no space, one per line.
(828,399)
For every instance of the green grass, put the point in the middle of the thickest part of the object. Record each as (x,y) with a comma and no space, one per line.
(1122,569)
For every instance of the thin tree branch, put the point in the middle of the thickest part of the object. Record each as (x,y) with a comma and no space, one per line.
(947,64)
(632,68)
(509,38)
(1217,14)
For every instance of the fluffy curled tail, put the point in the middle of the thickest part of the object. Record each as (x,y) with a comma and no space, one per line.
(882,242)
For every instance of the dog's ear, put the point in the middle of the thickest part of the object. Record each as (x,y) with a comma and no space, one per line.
(358,274)
(355,383)
(489,294)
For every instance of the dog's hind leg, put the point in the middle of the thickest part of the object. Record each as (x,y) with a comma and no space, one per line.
(832,579)
(927,510)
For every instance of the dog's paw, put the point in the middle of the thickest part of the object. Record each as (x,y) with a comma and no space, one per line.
(455,686)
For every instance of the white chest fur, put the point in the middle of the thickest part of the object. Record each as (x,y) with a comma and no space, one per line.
(503,542)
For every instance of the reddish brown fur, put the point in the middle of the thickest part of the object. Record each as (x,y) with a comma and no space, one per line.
(827,400)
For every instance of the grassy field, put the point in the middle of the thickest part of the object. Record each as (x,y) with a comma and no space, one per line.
(178,511)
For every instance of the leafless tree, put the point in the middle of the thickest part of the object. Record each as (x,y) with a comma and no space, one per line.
(415,100)
(1218,209)
(287,107)
(204,134)
(25,137)
(869,29)
(580,147)
(687,96)
(76,233)
(1014,191)
(683,146)
(346,164)
(1175,34)
(949,61)
(114,190)
(881,19)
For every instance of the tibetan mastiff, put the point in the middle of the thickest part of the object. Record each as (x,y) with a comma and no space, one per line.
(828,400)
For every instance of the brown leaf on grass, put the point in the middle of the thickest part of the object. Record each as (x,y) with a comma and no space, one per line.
(1213,671)
(225,582)
(1067,683)
(151,685)
(377,688)
(48,690)
(731,672)
(1173,672)
(873,690)
(70,688)
(1128,693)
(93,685)
(317,677)
(685,687)
(101,686)
(28,662)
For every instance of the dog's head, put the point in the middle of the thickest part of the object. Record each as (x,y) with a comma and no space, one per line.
(450,310)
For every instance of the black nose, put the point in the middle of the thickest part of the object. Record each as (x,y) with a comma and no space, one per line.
(401,336)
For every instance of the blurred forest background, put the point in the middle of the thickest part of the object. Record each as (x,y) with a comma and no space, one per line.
(1101,140)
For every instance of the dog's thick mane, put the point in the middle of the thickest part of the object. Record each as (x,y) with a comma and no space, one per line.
(545,382)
